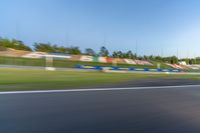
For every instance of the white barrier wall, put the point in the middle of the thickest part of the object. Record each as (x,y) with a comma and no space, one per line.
(130,61)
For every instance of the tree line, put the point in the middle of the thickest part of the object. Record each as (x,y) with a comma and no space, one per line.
(53,48)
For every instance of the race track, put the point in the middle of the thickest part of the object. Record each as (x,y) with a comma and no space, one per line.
(150,110)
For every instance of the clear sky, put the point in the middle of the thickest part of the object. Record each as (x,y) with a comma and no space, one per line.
(159,27)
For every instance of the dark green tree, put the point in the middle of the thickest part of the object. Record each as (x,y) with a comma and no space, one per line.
(74,50)
(114,54)
(130,55)
(89,51)
(44,47)
(104,52)
(15,44)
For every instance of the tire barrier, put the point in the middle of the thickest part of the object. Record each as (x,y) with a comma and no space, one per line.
(114,68)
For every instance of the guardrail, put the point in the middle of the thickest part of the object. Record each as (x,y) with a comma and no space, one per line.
(115,68)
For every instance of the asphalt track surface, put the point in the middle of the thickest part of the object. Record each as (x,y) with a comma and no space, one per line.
(150,110)
(153,82)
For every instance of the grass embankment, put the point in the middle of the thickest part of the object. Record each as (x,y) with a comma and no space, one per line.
(18,79)
(65,63)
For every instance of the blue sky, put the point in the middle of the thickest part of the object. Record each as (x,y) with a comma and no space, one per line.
(159,27)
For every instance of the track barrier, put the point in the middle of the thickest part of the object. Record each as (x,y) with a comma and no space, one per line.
(115,68)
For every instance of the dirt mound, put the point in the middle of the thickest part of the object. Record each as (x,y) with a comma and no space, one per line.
(12,52)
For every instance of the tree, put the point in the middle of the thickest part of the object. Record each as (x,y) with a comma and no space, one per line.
(59,49)
(44,47)
(158,58)
(120,54)
(104,52)
(15,44)
(146,57)
(62,49)
(174,60)
(140,58)
(74,50)
(114,54)
(89,51)
(151,57)
(197,60)
(129,55)
(47,47)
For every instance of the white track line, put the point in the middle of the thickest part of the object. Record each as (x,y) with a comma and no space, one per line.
(98,89)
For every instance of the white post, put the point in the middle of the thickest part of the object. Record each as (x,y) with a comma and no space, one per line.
(49,63)
(158,65)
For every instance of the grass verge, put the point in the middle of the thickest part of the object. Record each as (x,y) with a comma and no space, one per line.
(18,79)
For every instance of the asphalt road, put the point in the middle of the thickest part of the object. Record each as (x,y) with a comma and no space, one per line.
(159,110)
(153,82)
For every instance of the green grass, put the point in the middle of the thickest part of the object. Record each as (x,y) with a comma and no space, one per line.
(18,79)
(21,61)
(162,65)
(65,63)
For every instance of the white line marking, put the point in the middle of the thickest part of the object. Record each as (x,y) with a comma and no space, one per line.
(98,89)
